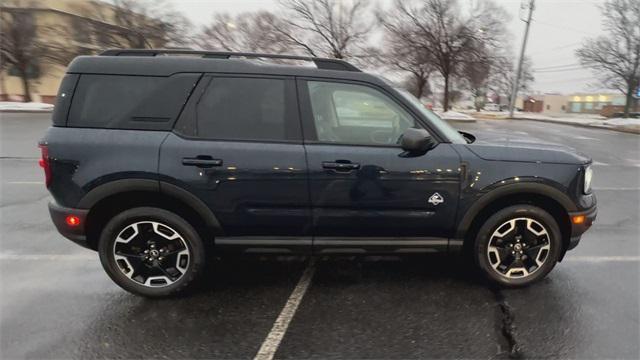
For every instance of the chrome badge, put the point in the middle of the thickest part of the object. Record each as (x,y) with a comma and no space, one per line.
(436,199)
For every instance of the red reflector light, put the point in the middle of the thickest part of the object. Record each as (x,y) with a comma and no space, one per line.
(72,220)
(44,164)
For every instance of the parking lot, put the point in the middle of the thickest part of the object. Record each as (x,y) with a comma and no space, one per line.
(57,302)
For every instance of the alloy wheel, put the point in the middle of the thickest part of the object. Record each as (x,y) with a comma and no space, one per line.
(518,247)
(151,253)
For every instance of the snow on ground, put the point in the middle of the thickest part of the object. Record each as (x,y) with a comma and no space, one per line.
(453,115)
(21,106)
(623,121)
(583,119)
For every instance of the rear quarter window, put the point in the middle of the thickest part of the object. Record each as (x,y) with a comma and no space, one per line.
(129,102)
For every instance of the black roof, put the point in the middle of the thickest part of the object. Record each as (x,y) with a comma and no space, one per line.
(150,63)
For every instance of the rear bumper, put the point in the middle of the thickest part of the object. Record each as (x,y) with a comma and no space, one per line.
(74,233)
(578,229)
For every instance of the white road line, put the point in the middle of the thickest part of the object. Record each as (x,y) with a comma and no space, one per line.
(617,188)
(585,138)
(25,182)
(599,259)
(47,257)
(272,342)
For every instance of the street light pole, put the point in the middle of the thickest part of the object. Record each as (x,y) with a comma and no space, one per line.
(514,90)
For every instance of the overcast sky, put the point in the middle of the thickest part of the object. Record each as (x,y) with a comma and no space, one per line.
(558,29)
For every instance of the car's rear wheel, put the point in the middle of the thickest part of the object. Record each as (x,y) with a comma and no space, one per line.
(151,252)
(518,245)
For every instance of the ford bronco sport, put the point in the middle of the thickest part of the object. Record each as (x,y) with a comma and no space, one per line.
(155,156)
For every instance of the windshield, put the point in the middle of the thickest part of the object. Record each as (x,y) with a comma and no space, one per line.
(452,134)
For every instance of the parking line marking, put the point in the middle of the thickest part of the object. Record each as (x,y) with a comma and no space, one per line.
(46,257)
(274,338)
(598,259)
(617,188)
(26,182)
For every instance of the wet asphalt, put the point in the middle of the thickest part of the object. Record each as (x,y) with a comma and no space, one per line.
(56,301)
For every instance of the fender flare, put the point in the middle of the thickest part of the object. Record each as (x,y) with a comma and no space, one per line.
(511,189)
(148,185)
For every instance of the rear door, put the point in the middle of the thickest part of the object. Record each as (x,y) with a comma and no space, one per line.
(364,189)
(238,147)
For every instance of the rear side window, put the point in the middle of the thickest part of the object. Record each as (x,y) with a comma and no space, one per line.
(129,102)
(245,108)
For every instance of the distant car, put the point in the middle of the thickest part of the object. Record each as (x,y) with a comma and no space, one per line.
(153,160)
(492,107)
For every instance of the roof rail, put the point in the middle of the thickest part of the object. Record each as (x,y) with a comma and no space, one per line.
(321,63)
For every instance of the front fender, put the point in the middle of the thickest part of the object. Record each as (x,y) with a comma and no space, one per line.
(510,187)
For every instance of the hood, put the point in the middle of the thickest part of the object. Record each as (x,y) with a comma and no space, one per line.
(513,147)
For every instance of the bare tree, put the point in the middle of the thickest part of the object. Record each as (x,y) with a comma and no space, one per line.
(138,24)
(19,46)
(23,52)
(403,52)
(503,72)
(260,31)
(436,28)
(476,74)
(615,57)
(333,28)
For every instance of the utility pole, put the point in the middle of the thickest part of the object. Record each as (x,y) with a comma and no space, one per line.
(516,81)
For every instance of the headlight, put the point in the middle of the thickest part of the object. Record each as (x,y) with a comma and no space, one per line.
(588,175)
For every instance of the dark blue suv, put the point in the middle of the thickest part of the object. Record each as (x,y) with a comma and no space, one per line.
(155,156)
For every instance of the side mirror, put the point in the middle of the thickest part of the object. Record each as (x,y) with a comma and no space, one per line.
(416,140)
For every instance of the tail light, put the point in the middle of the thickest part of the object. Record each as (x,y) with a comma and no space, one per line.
(44,163)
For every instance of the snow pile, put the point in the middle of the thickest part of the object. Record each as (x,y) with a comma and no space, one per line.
(453,115)
(624,121)
(21,106)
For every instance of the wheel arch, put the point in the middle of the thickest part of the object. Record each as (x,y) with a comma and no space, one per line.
(546,197)
(107,200)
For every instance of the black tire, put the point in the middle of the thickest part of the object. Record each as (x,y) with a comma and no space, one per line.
(502,218)
(193,260)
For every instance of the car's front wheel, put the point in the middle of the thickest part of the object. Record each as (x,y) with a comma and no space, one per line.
(518,245)
(151,252)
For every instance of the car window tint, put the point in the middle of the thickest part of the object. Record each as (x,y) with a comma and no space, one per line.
(129,102)
(356,114)
(243,109)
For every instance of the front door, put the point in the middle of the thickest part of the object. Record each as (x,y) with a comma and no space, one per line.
(238,147)
(364,188)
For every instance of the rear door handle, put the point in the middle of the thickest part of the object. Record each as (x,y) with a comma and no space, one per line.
(201,161)
(340,165)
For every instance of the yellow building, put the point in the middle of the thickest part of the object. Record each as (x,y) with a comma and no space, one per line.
(84,26)
(593,103)
(584,103)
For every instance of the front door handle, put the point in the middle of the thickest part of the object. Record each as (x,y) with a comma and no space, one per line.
(340,165)
(201,161)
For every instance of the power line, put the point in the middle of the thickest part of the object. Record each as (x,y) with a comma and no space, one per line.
(566,80)
(556,66)
(558,70)
(581,31)
(567,46)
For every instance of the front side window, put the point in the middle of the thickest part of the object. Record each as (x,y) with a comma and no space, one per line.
(237,108)
(356,114)
(435,121)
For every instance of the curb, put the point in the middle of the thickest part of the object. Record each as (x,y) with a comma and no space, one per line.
(461,120)
(25,111)
(618,129)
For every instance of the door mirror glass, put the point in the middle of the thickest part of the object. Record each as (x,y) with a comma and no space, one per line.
(416,140)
